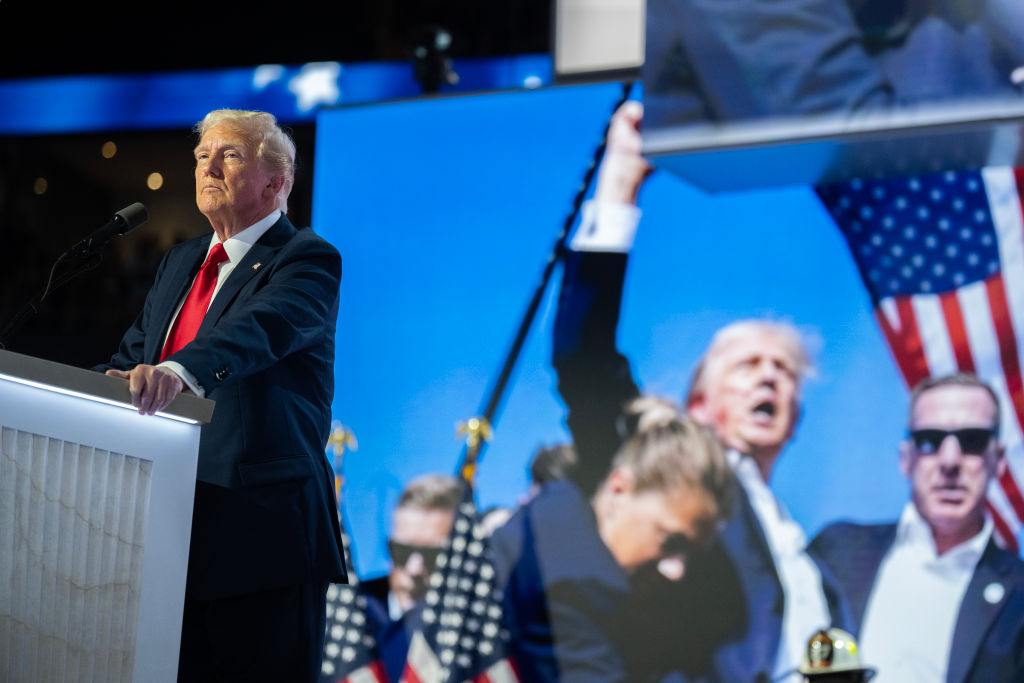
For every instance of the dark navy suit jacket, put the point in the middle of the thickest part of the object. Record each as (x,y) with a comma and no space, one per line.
(724,620)
(566,600)
(265,514)
(988,641)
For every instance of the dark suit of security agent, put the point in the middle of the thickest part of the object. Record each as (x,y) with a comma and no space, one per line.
(933,597)
(265,534)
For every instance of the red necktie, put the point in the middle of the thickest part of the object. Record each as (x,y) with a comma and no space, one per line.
(198,300)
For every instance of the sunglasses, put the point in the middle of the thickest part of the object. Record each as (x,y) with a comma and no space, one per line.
(972,440)
(678,545)
(401,552)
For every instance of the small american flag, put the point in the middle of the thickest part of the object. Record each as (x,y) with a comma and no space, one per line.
(350,648)
(462,637)
(942,256)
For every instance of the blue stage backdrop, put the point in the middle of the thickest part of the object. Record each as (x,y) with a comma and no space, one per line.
(445,211)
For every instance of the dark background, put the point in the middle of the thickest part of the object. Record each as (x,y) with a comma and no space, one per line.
(80,323)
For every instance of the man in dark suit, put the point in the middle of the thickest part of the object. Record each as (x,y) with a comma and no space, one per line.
(565,559)
(420,525)
(252,329)
(750,603)
(933,597)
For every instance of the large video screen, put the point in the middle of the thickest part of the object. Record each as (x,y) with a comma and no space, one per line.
(445,211)
(849,88)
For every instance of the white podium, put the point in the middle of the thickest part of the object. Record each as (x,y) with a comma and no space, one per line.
(95,516)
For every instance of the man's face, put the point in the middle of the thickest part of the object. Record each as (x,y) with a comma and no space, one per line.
(948,484)
(653,526)
(751,392)
(417,536)
(232,185)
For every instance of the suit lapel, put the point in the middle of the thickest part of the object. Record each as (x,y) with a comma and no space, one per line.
(176,282)
(256,259)
(863,569)
(986,594)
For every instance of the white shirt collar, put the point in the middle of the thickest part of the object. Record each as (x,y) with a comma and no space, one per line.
(912,528)
(238,245)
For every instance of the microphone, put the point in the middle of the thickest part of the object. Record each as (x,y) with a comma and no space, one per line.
(124,221)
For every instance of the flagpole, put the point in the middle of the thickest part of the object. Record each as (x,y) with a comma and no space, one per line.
(478,429)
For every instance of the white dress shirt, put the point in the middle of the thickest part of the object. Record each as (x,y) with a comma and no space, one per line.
(236,247)
(805,609)
(912,611)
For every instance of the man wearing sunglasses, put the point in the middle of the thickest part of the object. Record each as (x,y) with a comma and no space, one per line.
(932,596)
(420,525)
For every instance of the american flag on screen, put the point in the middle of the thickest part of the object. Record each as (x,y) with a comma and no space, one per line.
(350,647)
(462,637)
(942,256)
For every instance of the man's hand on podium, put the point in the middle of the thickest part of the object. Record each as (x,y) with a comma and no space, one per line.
(152,388)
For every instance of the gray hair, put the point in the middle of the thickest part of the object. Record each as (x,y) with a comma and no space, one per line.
(958,379)
(787,333)
(271,144)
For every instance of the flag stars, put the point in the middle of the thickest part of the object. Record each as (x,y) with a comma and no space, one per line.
(920,250)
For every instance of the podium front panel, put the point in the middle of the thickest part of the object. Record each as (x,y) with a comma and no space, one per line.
(95,515)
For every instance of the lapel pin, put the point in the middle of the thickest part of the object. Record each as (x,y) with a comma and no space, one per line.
(256,266)
(993,593)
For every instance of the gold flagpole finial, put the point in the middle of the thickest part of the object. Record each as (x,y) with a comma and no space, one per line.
(342,438)
(476,430)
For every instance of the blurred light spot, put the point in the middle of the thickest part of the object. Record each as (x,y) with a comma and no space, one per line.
(109,149)
(316,83)
(155,181)
(265,74)
(40,186)
(532,82)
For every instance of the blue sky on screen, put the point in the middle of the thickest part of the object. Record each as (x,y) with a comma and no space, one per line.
(445,210)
